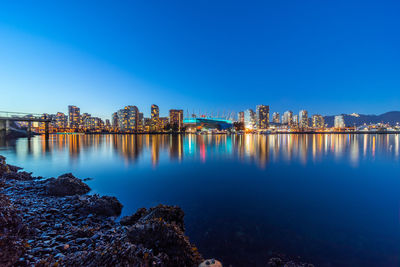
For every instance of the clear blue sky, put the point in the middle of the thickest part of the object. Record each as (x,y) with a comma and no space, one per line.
(327,57)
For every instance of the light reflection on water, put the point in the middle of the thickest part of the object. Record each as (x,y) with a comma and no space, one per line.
(333,199)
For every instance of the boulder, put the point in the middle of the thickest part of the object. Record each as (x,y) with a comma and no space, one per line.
(66,185)
(163,237)
(134,218)
(170,214)
(104,205)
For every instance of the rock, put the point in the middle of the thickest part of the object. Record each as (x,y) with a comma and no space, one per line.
(65,185)
(210,263)
(132,219)
(105,205)
(163,237)
(170,214)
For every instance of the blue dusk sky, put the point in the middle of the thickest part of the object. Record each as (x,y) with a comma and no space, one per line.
(328,57)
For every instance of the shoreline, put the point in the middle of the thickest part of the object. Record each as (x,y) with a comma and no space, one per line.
(55,222)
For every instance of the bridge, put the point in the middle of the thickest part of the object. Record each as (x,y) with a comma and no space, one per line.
(7,116)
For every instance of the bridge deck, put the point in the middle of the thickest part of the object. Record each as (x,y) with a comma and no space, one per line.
(24,119)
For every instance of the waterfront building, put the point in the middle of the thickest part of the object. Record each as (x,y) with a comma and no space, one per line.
(287,117)
(303,119)
(318,121)
(339,121)
(115,121)
(163,122)
(250,119)
(241,117)
(74,117)
(128,119)
(275,117)
(61,120)
(176,119)
(155,118)
(295,120)
(262,116)
(108,124)
(85,121)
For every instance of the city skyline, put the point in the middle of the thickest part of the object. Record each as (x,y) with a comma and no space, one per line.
(327,59)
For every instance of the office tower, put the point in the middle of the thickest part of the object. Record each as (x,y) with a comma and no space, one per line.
(128,118)
(318,121)
(250,119)
(176,119)
(241,117)
(295,120)
(155,111)
(163,123)
(155,115)
(275,117)
(61,120)
(108,124)
(140,122)
(74,117)
(303,119)
(114,120)
(339,121)
(85,121)
(262,116)
(287,117)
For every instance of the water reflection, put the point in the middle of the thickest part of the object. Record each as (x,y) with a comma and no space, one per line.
(259,149)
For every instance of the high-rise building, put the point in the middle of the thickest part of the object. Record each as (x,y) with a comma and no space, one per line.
(262,116)
(250,119)
(275,117)
(303,119)
(339,121)
(128,118)
(61,120)
(155,111)
(176,119)
(114,121)
(295,120)
(241,117)
(155,118)
(74,114)
(318,121)
(287,118)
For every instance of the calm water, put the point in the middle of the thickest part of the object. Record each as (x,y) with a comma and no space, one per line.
(333,200)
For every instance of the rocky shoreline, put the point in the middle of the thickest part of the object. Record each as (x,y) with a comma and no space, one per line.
(54,222)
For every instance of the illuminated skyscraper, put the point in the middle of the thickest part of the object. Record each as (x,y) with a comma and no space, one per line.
(176,119)
(339,121)
(250,119)
(74,117)
(128,118)
(275,117)
(262,116)
(155,111)
(155,118)
(241,117)
(61,120)
(318,121)
(114,120)
(287,118)
(303,119)
(295,120)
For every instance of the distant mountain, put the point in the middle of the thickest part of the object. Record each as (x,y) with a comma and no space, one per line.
(391,117)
